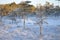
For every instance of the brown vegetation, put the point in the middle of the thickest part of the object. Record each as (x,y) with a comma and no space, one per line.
(6,8)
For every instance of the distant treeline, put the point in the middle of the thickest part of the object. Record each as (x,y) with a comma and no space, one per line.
(7,8)
(48,9)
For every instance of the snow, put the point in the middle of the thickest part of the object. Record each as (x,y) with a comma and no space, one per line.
(15,31)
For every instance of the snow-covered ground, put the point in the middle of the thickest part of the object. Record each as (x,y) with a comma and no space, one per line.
(14,30)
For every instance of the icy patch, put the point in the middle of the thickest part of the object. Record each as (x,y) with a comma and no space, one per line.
(15,31)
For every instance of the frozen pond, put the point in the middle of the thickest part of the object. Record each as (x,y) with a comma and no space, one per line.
(13,29)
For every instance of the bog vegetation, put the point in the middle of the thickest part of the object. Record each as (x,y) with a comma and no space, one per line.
(50,9)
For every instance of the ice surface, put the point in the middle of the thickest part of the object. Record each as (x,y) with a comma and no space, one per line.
(15,31)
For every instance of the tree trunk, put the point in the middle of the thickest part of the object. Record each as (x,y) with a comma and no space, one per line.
(41,30)
(24,22)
